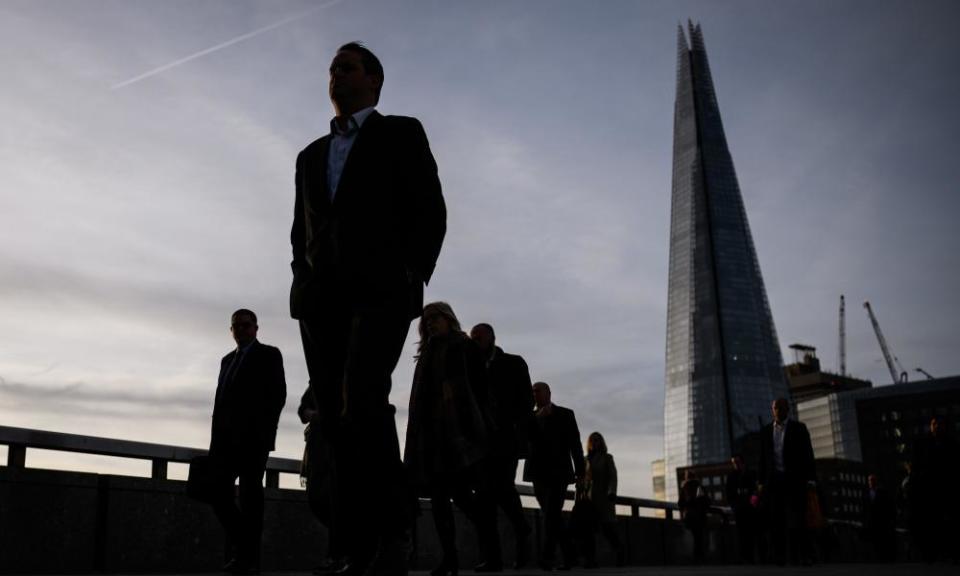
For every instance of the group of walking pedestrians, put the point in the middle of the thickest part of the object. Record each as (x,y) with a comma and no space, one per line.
(368,225)
(770,502)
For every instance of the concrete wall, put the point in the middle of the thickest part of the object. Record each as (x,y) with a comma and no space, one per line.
(52,521)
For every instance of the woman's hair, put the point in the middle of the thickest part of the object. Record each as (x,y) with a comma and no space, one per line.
(595,442)
(443,309)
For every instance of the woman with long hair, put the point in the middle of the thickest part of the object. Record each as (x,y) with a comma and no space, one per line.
(600,491)
(447,426)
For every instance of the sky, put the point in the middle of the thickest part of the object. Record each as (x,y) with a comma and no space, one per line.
(146,191)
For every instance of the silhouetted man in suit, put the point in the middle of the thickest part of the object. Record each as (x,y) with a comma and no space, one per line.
(935,463)
(555,462)
(368,224)
(511,400)
(880,520)
(251,392)
(786,472)
(741,492)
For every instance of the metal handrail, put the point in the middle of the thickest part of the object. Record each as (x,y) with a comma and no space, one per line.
(19,439)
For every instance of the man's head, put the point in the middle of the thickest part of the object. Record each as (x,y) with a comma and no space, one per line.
(872,481)
(934,426)
(737,462)
(541,394)
(482,334)
(781,409)
(356,78)
(243,326)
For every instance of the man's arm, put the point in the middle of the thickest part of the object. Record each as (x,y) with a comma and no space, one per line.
(809,466)
(298,241)
(298,233)
(612,489)
(576,448)
(523,387)
(278,386)
(430,211)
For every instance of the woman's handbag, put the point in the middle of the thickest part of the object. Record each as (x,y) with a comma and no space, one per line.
(814,514)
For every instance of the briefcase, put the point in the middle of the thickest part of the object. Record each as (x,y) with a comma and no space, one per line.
(202,479)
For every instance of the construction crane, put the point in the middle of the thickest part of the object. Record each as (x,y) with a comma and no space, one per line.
(842,353)
(892,363)
(925,373)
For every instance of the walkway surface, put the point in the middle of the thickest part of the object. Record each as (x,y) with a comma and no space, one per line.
(819,570)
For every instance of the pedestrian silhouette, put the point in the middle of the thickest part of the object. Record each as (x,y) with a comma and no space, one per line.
(369,221)
(251,392)
(786,474)
(555,461)
(597,498)
(511,400)
(447,431)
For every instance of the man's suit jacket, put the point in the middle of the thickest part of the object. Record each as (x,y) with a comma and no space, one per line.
(511,395)
(798,462)
(378,241)
(555,449)
(247,407)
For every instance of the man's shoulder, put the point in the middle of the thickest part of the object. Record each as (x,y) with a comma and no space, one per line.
(796,424)
(267,350)
(314,146)
(401,121)
(562,412)
(509,360)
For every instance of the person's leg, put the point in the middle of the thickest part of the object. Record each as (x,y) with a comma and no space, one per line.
(567,547)
(251,508)
(698,534)
(505,479)
(800,547)
(612,535)
(321,489)
(545,501)
(778,520)
(443,520)
(481,509)
(224,503)
(370,470)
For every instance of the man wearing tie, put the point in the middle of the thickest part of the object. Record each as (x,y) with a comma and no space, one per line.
(786,473)
(251,392)
(369,221)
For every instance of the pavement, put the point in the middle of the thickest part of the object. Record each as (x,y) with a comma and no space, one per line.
(906,569)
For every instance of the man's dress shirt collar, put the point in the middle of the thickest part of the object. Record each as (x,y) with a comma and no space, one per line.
(341,141)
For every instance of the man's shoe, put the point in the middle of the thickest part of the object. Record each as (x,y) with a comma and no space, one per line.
(351,568)
(489,567)
(391,558)
(328,568)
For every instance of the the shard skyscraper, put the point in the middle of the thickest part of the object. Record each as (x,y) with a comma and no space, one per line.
(724,366)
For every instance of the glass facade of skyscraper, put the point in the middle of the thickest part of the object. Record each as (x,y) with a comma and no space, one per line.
(723,360)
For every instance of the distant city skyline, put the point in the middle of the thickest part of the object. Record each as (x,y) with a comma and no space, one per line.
(136,215)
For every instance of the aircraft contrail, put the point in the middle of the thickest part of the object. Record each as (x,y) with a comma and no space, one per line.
(222,45)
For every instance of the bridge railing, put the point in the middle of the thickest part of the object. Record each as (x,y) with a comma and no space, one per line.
(19,440)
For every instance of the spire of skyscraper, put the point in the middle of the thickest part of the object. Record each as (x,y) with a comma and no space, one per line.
(723,360)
